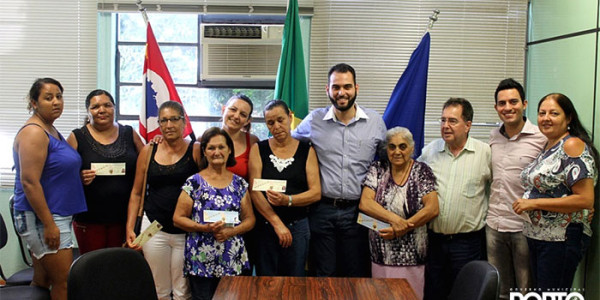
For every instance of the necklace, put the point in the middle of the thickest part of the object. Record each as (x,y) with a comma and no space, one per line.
(405,174)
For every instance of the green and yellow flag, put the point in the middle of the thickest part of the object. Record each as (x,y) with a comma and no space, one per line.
(291,85)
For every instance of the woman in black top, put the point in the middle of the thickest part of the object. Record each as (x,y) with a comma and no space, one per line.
(282,226)
(109,153)
(171,163)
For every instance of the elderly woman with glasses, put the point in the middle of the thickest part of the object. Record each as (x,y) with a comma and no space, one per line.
(171,162)
(402,192)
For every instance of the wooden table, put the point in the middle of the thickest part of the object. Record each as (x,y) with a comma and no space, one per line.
(266,287)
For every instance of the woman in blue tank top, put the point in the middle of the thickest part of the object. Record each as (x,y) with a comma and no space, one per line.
(48,189)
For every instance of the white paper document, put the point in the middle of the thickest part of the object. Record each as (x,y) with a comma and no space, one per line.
(371,222)
(148,233)
(108,169)
(269,184)
(230,218)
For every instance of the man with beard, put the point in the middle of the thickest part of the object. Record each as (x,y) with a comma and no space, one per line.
(346,137)
(461,165)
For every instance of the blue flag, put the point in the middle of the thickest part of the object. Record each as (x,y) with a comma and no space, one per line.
(406,107)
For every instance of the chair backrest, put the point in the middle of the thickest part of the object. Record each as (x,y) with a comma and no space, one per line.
(111,273)
(477,280)
(3,233)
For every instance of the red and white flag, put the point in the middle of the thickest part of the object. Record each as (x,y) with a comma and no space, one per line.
(158,87)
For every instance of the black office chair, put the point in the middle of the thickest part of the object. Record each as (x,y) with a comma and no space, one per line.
(111,273)
(25,276)
(477,280)
(20,292)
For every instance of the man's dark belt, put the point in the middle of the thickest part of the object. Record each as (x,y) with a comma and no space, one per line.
(340,202)
(462,235)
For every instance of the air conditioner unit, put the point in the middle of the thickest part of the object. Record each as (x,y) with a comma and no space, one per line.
(240,51)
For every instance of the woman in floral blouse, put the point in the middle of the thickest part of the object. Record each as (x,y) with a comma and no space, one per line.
(402,192)
(559,191)
(216,249)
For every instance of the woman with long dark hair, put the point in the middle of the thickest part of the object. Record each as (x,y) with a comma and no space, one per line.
(559,192)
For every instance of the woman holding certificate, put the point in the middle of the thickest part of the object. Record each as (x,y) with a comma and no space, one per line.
(402,192)
(214,207)
(282,227)
(109,153)
(171,163)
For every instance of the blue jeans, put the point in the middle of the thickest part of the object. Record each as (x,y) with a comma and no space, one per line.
(272,259)
(339,246)
(553,264)
(446,255)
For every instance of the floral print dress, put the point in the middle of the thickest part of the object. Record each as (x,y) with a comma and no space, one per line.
(551,175)
(205,256)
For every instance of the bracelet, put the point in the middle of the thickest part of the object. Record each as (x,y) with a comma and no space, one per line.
(289,200)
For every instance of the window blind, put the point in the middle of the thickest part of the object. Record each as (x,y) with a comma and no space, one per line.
(474,45)
(40,38)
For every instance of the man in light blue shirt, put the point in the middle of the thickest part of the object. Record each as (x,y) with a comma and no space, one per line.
(346,138)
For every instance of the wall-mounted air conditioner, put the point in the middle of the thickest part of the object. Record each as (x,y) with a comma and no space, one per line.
(240,51)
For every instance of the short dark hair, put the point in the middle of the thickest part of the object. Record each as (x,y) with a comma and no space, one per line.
(172,105)
(98,92)
(575,127)
(508,84)
(209,134)
(276,103)
(35,90)
(467,109)
(342,68)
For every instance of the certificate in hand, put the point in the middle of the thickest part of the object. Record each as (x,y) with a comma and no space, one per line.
(269,184)
(148,233)
(230,218)
(108,169)
(371,222)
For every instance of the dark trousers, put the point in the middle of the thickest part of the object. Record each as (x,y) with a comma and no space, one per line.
(339,246)
(553,264)
(203,288)
(272,259)
(446,255)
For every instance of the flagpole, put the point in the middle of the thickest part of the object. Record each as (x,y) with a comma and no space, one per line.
(142,9)
(432,19)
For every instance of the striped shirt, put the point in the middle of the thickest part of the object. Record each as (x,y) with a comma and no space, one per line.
(463,185)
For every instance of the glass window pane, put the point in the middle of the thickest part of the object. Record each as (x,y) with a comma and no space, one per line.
(178,60)
(131,63)
(197,102)
(175,28)
(182,62)
(200,127)
(166,27)
(131,28)
(260,130)
(129,100)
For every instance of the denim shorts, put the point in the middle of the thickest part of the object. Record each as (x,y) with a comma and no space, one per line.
(31,229)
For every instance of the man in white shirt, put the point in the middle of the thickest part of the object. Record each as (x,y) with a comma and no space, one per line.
(514,145)
(461,165)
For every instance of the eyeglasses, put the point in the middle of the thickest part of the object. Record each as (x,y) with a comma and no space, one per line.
(172,119)
(451,121)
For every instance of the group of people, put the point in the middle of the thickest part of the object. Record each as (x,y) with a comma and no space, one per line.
(524,200)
